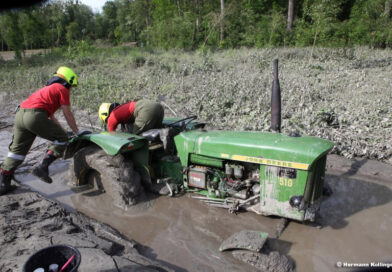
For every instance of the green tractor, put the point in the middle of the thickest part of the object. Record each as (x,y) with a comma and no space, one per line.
(268,173)
(265,172)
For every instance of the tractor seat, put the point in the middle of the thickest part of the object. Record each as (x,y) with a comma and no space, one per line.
(164,136)
(152,135)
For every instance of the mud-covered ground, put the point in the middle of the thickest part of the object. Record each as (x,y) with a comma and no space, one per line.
(171,234)
(30,222)
(183,234)
(342,94)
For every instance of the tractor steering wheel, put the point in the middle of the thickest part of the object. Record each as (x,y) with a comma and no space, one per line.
(186,120)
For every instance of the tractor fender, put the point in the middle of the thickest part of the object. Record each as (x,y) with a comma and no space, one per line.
(112,143)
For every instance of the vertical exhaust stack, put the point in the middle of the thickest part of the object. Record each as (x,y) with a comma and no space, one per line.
(275,101)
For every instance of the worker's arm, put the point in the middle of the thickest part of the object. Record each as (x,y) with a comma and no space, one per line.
(112,123)
(70,118)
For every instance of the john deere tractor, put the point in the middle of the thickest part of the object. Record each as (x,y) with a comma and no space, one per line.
(265,172)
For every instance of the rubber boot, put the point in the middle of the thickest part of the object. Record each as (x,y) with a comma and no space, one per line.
(5,181)
(42,170)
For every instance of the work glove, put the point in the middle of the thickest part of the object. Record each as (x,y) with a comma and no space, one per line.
(83,132)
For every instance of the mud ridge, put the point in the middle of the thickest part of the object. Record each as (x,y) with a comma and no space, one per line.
(30,222)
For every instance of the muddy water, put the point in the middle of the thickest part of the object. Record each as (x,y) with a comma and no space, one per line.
(356,220)
(181,231)
(356,226)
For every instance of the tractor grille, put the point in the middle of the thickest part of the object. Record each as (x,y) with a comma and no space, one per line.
(315,183)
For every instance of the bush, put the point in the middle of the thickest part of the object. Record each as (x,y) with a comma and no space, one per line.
(79,50)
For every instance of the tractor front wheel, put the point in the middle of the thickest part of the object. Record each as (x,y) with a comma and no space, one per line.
(115,174)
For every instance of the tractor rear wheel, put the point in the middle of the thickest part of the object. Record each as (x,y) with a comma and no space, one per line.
(111,174)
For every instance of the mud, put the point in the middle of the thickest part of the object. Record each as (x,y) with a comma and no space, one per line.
(245,239)
(184,234)
(272,261)
(120,179)
(355,221)
(252,247)
(30,222)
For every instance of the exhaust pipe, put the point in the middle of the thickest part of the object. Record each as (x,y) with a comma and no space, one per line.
(275,101)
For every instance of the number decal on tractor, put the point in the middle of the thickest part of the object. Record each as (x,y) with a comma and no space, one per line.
(285,182)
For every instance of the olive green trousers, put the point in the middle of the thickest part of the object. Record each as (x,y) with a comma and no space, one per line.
(28,124)
(147,115)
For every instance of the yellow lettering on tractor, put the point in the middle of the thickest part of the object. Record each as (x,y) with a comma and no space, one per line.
(296,165)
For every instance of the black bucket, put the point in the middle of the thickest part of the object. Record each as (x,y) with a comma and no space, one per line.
(58,254)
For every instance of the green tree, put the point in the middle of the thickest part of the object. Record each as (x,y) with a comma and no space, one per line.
(72,33)
(109,19)
(320,23)
(14,34)
(370,24)
(34,30)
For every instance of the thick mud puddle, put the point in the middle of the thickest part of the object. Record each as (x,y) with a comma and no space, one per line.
(356,224)
(355,220)
(181,231)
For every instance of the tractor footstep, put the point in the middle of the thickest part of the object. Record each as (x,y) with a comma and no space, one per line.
(245,239)
(163,189)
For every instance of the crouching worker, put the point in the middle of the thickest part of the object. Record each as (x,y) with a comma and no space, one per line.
(135,116)
(35,117)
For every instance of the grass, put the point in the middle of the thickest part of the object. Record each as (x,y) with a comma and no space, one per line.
(340,94)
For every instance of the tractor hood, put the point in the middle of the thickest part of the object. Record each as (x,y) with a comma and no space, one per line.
(255,147)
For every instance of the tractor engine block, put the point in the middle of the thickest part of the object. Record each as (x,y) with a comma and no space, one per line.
(238,180)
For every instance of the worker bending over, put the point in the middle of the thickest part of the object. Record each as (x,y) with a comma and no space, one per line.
(135,116)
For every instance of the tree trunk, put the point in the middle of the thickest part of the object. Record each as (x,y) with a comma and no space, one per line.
(387,10)
(197,22)
(315,38)
(147,18)
(147,12)
(179,7)
(290,15)
(222,16)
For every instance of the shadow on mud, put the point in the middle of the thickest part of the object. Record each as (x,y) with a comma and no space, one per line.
(357,164)
(283,247)
(350,196)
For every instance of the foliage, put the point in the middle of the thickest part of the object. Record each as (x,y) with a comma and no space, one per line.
(13,33)
(199,24)
(370,24)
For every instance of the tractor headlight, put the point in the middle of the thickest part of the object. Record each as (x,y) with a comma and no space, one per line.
(296,202)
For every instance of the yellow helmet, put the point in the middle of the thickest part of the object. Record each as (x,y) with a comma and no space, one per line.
(68,74)
(103,111)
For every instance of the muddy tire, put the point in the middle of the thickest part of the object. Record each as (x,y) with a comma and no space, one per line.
(116,175)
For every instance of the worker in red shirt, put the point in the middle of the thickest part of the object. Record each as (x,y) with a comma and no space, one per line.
(136,116)
(35,117)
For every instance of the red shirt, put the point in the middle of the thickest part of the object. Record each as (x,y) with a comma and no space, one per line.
(48,98)
(121,115)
